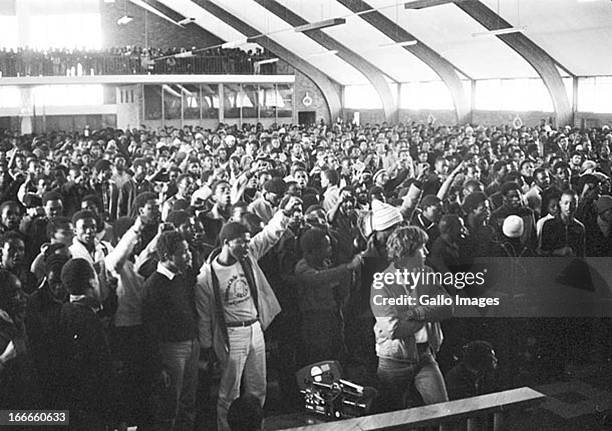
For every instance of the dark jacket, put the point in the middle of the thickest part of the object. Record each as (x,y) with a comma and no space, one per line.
(558,234)
(16,389)
(108,193)
(87,380)
(428,226)
(128,193)
(481,241)
(597,244)
(169,307)
(41,322)
(168,313)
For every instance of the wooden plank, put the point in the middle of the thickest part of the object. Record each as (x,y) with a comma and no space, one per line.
(435,413)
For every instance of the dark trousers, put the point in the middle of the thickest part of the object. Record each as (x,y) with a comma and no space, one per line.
(128,346)
(322,337)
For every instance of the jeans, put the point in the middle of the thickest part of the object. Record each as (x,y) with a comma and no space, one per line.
(246,363)
(180,360)
(403,383)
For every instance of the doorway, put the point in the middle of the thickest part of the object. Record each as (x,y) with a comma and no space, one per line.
(307,118)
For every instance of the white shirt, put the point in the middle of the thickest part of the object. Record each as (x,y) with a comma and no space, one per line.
(238,305)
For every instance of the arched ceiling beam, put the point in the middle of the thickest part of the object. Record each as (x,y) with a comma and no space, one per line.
(322,81)
(543,63)
(445,70)
(160,10)
(373,74)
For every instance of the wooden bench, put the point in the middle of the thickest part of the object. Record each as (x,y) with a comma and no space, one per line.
(436,415)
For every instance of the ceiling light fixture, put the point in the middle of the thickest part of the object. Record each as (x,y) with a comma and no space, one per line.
(234,43)
(253,39)
(323,54)
(125,19)
(500,32)
(268,61)
(186,21)
(320,24)
(404,43)
(423,4)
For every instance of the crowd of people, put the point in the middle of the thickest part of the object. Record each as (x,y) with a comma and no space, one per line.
(131,60)
(132,260)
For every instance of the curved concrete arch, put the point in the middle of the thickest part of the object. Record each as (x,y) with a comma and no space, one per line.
(445,70)
(321,80)
(543,63)
(373,74)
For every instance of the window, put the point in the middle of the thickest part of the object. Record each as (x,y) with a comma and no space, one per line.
(512,95)
(595,94)
(210,101)
(68,95)
(425,95)
(284,98)
(191,101)
(268,101)
(361,97)
(172,102)
(10,97)
(230,99)
(248,100)
(152,102)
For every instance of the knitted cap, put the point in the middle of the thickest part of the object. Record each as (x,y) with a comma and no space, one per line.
(232,230)
(275,185)
(513,226)
(76,274)
(604,203)
(55,262)
(177,218)
(473,200)
(384,216)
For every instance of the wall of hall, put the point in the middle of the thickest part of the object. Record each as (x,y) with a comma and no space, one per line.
(305,86)
(129,106)
(488,118)
(155,32)
(449,117)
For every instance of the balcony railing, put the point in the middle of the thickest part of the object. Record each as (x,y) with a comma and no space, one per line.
(474,414)
(107,64)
